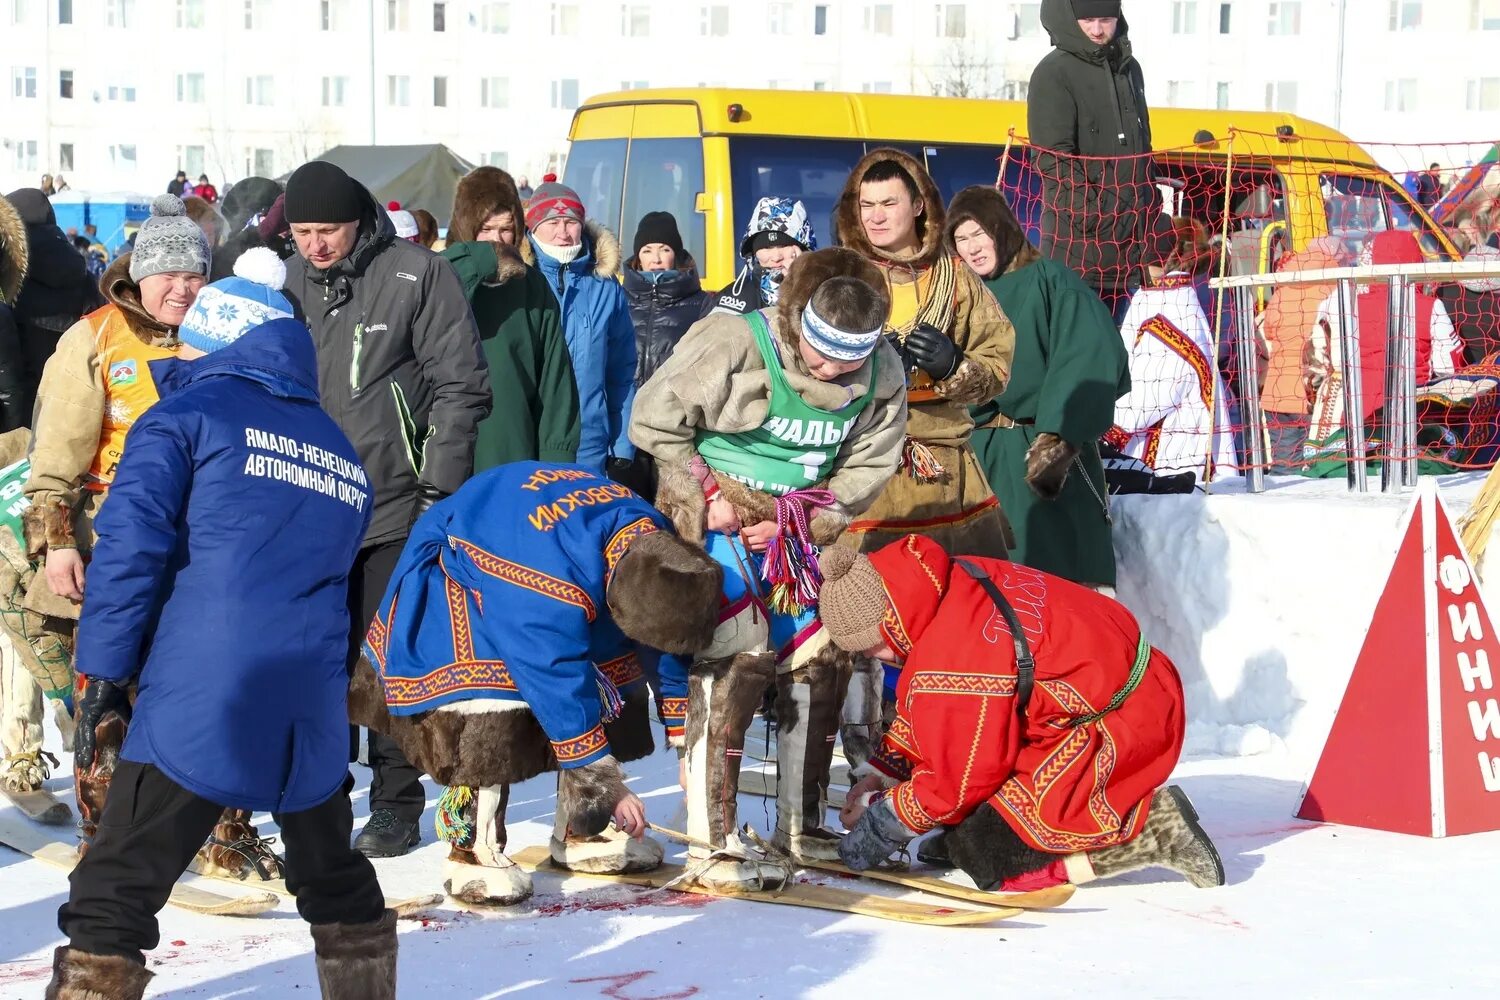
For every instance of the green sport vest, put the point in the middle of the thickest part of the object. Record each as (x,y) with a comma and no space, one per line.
(796,445)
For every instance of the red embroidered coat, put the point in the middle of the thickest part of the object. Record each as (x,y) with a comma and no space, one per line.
(956,741)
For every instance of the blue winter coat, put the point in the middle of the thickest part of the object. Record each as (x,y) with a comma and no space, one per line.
(601,341)
(221,576)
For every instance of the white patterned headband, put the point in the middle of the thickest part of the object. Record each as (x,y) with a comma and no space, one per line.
(835,344)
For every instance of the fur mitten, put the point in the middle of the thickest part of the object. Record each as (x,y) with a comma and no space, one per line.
(878,834)
(1047,463)
(587,795)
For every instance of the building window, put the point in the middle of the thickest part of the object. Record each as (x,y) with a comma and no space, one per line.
(121,93)
(65,156)
(565,19)
(820,19)
(1026,21)
(779,18)
(24,78)
(395,15)
(119,14)
(635,20)
(332,14)
(714,20)
(877,87)
(1015,90)
(494,92)
(260,91)
(440,16)
(1181,93)
(1224,19)
(190,14)
(952,20)
(497,158)
(189,88)
(440,91)
(1484,15)
(1184,17)
(1484,95)
(398,91)
(65,84)
(1282,96)
(1286,18)
(26,152)
(255,14)
(633,84)
(262,163)
(494,18)
(565,94)
(334,90)
(122,156)
(190,159)
(880,19)
(1406,15)
(65,16)
(1221,98)
(1401,95)
(820,85)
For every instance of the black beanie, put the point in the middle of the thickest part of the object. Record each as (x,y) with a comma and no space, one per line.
(1096,8)
(321,192)
(658,227)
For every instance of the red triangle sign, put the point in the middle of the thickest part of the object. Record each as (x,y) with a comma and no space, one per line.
(1415,747)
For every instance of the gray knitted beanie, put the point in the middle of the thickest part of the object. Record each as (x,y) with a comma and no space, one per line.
(168,241)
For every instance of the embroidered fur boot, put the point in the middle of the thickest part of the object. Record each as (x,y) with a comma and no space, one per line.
(236,850)
(357,961)
(807,714)
(583,838)
(1171,838)
(477,871)
(79,975)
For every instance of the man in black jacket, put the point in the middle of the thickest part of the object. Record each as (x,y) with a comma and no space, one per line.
(1087,111)
(402,372)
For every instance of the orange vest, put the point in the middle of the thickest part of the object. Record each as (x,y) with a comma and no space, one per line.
(129,390)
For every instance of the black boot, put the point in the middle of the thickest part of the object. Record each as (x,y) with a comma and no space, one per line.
(387,835)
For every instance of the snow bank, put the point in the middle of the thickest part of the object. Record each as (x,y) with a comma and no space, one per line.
(1262,600)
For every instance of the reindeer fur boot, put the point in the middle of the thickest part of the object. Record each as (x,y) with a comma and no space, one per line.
(862,723)
(477,871)
(807,720)
(1171,838)
(583,838)
(236,850)
(79,975)
(357,961)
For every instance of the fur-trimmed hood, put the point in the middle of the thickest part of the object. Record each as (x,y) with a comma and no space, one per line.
(601,249)
(992,212)
(809,271)
(125,295)
(481,193)
(509,264)
(850,232)
(13,253)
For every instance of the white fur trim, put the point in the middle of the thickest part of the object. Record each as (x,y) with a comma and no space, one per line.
(1079,868)
(482,706)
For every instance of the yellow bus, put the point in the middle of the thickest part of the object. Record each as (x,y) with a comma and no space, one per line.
(707,155)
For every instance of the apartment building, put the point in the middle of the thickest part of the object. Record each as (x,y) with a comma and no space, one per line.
(121,93)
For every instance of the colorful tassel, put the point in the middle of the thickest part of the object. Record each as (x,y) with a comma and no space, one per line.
(611,704)
(790,565)
(918,461)
(455,817)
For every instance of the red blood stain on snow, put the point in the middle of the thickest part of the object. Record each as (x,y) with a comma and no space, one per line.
(442,923)
(1214,915)
(608,902)
(618,983)
(14,972)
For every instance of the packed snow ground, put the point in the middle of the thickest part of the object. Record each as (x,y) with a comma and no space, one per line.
(1262,602)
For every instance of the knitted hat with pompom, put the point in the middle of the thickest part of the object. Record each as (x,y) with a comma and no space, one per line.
(231,307)
(169,241)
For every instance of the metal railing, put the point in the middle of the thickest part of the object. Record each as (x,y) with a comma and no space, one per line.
(1398,465)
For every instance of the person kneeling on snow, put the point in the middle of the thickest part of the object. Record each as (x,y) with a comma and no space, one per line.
(1035,725)
(219,582)
(506,645)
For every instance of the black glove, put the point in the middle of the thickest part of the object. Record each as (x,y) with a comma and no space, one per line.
(933,351)
(99,698)
(876,836)
(426,497)
(633,473)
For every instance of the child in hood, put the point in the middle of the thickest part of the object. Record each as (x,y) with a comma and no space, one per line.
(779,232)
(770,432)
(219,587)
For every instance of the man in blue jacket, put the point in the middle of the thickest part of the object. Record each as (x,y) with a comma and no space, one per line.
(218,587)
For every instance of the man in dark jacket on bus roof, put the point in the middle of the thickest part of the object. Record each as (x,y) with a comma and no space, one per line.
(1088,100)
(402,371)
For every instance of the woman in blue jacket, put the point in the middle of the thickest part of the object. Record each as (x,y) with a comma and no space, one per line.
(219,587)
(581,262)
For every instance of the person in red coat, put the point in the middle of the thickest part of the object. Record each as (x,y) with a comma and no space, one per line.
(1039,772)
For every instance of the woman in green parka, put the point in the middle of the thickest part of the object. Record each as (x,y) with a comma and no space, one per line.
(535,414)
(1038,440)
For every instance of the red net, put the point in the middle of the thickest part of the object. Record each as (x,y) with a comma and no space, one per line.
(1252,203)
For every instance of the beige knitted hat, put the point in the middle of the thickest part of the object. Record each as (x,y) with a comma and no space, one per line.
(852,601)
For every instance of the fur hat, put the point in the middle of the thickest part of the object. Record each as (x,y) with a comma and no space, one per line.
(849,228)
(809,271)
(168,241)
(481,193)
(229,308)
(13,252)
(852,603)
(665,593)
(987,207)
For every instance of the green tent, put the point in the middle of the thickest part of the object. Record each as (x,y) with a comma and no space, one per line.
(416,176)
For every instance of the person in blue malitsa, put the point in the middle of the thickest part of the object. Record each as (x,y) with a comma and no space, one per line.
(507,644)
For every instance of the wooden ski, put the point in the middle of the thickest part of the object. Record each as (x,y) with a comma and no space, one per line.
(41,806)
(404,906)
(20,835)
(1038,899)
(804,894)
